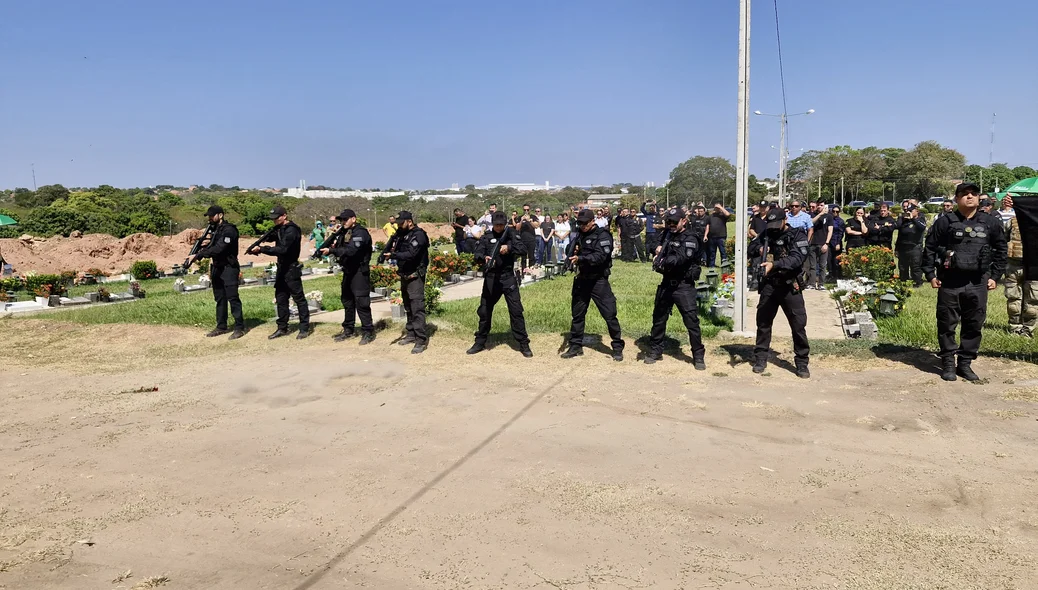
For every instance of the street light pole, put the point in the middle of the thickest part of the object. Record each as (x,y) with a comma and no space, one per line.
(783,150)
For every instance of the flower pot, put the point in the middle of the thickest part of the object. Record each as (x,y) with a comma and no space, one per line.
(44,301)
(398,311)
(54,301)
(314,306)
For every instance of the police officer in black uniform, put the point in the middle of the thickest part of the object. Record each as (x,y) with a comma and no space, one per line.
(881,226)
(224,270)
(352,247)
(410,247)
(699,223)
(911,228)
(499,248)
(964,258)
(288,282)
(677,259)
(592,257)
(781,262)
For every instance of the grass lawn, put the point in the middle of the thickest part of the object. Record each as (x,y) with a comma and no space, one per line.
(547,307)
(164,306)
(917,326)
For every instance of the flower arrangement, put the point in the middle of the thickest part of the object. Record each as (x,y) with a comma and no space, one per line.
(315,296)
(104,294)
(395,298)
(383,276)
(42,291)
(859,302)
(445,264)
(873,262)
(178,283)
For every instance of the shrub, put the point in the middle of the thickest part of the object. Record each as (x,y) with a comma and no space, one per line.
(872,262)
(443,265)
(384,276)
(11,284)
(729,246)
(55,284)
(203,266)
(433,293)
(143,270)
(380,246)
(96,272)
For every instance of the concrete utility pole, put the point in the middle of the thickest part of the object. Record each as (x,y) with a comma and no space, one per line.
(820,187)
(742,178)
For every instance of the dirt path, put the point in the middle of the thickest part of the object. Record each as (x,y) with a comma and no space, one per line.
(823,317)
(296,465)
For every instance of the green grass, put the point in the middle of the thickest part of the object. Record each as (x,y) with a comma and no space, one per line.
(164,306)
(917,326)
(546,307)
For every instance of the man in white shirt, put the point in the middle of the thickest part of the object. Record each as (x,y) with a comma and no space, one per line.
(484,221)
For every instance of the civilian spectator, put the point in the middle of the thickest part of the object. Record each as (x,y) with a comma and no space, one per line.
(857,230)
(797,218)
(881,227)
(472,234)
(528,234)
(485,221)
(836,243)
(562,231)
(818,251)
(718,235)
(460,222)
(701,227)
(601,220)
(390,227)
(546,239)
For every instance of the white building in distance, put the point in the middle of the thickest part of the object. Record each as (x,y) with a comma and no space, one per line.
(522,187)
(312,194)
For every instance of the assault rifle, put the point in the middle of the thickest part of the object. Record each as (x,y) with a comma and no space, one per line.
(758,273)
(331,241)
(387,254)
(267,237)
(508,235)
(658,259)
(193,255)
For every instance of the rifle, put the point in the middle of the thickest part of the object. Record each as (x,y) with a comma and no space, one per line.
(492,263)
(207,235)
(264,238)
(658,259)
(387,254)
(331,241)
(758,273)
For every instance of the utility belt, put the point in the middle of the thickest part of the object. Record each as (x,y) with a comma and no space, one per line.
(294,266)
(418,274)
(673,283)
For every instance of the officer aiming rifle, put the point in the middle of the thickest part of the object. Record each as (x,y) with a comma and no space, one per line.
(206,238)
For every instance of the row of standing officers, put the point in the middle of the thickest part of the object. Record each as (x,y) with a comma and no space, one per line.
(964,257)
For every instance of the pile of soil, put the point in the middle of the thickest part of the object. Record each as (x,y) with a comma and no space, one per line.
(115,255)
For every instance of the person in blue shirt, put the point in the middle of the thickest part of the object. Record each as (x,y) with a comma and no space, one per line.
(798,218)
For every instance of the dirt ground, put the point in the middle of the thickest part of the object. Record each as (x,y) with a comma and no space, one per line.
(297,465)
(115,255)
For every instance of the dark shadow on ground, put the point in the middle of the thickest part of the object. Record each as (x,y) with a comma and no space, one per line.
(502,339)
(592,341)
(671,347)
(430,329)
(917,358)
(743,353)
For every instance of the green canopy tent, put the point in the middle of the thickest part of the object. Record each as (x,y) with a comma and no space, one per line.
(5,220)
(1023,187)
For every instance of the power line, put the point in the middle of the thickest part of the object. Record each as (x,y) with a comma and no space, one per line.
(782,74)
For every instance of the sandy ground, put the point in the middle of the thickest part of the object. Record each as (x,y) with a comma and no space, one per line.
(116,255)
(296,465)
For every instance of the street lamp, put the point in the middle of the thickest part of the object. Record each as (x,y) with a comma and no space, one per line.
(783,150)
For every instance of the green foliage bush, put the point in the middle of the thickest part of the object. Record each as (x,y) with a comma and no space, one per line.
(433,293)
(385,277)
(11,284)
(143,270)
(872,262)
(37,282)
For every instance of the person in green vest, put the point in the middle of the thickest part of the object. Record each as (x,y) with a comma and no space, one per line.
(318,235)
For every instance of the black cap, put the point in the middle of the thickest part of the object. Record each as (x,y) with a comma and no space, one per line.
(346,214)
(967,187)
(278,211)
(674,214)
(986,202)
(585,216)
(764,204)
(775,219)
(909,208)
(498,218)
(404,216)
(215,209)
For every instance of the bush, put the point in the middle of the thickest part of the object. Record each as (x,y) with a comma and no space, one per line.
(902,290)
(203,266)
(385,277)
(96,272)
(11,284)
(143,270)
(433,293)
(443,265)
(872,262)
(55,284)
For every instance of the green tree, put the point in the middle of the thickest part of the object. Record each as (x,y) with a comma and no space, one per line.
(927,170)
(50,193)
(702,178)
(470,188)
(1022,172)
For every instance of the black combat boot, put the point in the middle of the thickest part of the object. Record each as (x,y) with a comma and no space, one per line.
(345,334)
(948,368)
(237,334)
(803,372)
(367,338)
(572,352)
(406,340)
(525,350)
(419,348)
(699,361)
(760,365)
(618,355)
(653,357)
(304,333)
(217,332)
(476,348)
(278,334)
(965,371)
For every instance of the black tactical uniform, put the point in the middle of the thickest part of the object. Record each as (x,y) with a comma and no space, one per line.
(411,251)
(594,250)
(631,247)
(499,281)
(963,253)
(910,233)
(881,230)
(699,225)
(288,282)
(224,270)
(787,248)
(353,250)
(678,262)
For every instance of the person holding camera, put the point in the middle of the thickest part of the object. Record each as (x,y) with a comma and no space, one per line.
(911,229)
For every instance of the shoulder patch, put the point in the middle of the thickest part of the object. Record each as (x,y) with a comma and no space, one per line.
(227,240)
(603,243)
(414,243)
(802,243)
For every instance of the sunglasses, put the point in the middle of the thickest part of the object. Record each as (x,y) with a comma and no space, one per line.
(795,206)
(970,192)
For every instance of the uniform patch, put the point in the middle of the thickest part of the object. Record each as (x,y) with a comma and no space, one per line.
(689,244)
(688,252)
(981,234)
(414,243)
(358,240)
(603,243)
(227,240)
(587,241)
(493,240)
(958,234)
(802,243)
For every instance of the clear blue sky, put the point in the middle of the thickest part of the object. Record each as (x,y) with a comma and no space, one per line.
(426,93)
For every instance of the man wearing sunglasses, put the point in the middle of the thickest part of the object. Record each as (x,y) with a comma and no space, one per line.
(797,218)
(964,258)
